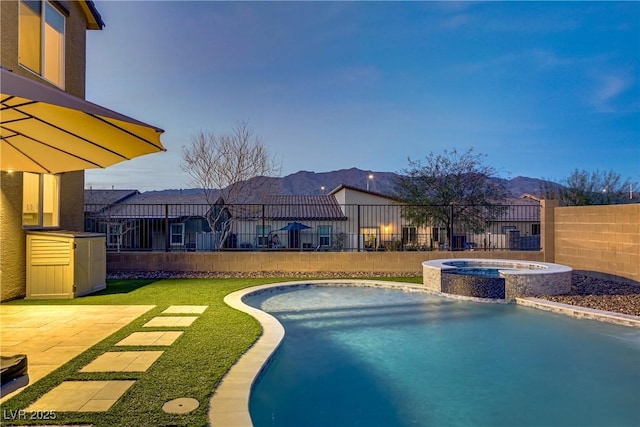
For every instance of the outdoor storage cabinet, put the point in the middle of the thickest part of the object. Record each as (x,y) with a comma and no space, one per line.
(65,264)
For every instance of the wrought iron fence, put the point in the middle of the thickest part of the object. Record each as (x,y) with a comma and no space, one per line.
(264,227)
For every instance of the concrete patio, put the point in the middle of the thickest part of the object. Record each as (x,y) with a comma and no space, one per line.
(52,335)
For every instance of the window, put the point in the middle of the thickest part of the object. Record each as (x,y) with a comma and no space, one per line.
(439,234)
(370,237)
(262,235)
(409,235)
(177,234)
(535,229)
(41,40)
(40,200)
(114,235)
(324,235)
(508,228)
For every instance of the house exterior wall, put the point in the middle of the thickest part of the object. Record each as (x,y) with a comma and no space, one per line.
(599,240)
(349,196)
(13,247)
(12,235)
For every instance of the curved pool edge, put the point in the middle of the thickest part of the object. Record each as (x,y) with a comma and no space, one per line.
(581,312)
(229,405)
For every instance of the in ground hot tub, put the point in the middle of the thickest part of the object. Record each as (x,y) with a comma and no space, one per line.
(496,278)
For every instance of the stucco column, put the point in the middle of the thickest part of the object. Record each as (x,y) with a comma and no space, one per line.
(547,229)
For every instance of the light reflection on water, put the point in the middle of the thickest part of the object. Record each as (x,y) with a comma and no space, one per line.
(376,357)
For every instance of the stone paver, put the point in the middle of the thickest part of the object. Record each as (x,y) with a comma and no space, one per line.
(151,338)
(185,309)
(52,335)
(177,321)
(123,361)
(81,396)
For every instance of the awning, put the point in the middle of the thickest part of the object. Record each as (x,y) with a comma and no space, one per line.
(46,130)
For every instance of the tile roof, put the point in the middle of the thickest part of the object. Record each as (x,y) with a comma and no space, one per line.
(94,200)
(291,207)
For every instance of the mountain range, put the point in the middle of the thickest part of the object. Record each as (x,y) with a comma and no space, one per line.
(316,183)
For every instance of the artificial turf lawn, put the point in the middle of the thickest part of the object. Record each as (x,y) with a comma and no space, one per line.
(191,367)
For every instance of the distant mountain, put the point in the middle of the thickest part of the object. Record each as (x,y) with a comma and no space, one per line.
(312,183)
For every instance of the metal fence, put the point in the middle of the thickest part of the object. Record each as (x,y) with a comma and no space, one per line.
(263,227)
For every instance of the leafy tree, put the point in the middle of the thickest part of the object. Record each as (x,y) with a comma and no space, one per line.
(229,168)
(590,188)
(451,187)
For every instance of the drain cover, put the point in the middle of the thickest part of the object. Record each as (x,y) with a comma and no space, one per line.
(180,406)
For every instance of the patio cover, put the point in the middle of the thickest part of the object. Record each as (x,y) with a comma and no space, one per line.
(46,130)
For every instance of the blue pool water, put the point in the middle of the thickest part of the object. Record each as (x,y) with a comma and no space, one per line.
(373,357)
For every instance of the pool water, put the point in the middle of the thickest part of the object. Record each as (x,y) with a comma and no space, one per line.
(355,356)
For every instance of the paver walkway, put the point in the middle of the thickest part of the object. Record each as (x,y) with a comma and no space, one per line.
(52,335)
(97,396)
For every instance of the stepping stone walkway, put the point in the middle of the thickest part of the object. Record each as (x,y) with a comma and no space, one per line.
(170,321)
(81,396)
(123,361)
(98,396)
(150,338)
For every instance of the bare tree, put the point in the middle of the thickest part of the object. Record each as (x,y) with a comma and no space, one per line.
(230,169)
(451,186)
(596,188)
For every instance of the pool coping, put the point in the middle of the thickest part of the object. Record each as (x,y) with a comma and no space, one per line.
(229,405)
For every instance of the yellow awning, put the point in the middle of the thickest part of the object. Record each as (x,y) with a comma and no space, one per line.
(46,130)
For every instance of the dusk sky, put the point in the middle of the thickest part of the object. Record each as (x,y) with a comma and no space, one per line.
(540,88)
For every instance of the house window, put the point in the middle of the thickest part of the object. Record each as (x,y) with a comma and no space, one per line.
(41,40)
(409,235)
(370,237)
(439,234)
(324,235)
(40,200)
(535,229)
(507,228)
(114,235)
(262,235)
(177,234)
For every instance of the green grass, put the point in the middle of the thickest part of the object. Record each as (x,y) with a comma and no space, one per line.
(191,367)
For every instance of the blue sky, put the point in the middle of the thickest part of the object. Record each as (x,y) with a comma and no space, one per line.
(540,88)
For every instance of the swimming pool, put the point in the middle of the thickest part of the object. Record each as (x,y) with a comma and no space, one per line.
(376,357)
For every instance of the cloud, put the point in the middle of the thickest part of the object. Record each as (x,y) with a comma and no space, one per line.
(610,89)
(533,58)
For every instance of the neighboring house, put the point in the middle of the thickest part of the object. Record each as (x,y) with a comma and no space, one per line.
(376,220)
(149,221)
(266,225)
(348,218)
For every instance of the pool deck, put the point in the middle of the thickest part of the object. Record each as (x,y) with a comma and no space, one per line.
(52,335)
(229,406)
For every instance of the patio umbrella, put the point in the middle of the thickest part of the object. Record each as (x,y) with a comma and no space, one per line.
(46,130)
(295,226)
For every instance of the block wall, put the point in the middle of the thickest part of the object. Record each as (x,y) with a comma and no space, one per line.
(600,240)
(292,262)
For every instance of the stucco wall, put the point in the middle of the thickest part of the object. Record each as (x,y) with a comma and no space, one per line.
(599,240)
(12,245)
(75,46)
(12,236)
(291,262)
